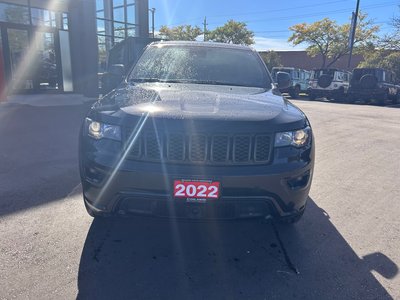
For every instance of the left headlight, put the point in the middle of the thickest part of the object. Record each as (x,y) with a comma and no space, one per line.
(99,130)
(297,138)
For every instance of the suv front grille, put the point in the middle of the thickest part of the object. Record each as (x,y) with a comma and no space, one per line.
(218,149)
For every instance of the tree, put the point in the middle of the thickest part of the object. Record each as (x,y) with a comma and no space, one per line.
(385,59)
(180,33)
(392,40)
(271,59)
(232,32)
(330,40)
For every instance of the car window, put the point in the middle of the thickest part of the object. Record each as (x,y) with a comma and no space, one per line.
(202,65)
(317,73)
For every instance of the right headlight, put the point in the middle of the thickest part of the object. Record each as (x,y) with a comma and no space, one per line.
(297,138)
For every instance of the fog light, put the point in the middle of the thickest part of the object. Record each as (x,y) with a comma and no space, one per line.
(299,181)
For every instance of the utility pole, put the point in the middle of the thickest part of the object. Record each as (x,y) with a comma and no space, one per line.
(353,31)
(205,28)
(153,10)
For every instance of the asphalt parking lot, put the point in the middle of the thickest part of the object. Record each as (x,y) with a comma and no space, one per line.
(345,247)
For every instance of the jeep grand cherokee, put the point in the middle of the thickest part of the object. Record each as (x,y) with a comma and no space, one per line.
(197,130)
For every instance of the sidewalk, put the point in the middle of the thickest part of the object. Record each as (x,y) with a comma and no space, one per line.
(46,100)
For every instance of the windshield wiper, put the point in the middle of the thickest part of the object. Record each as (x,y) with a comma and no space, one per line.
(159,80)
(187,81)
(215,82)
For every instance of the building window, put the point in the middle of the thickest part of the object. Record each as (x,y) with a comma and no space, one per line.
(14,13)
(65,25)
(43,17)
(115,22)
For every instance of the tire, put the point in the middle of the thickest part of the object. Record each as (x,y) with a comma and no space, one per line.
(368,81)
(324,81)
(396,99)
(294,92)
(383,99)
(340,96)
(349,100)
(312,96)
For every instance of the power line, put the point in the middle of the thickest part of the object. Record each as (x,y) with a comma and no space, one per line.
(263,11)
(314,14)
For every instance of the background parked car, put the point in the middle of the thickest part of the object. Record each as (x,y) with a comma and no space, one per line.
(368,84)
(329,83)
(299,78)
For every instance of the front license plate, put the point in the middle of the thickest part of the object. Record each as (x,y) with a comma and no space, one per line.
(196,190)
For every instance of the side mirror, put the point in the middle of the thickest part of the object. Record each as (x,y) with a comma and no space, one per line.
(283,80)
(117,70)
(112,78)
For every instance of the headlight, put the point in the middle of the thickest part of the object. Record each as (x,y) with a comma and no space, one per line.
(298,138)
(99,130)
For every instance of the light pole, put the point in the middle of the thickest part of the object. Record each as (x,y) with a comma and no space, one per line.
(353,31)
(153,10)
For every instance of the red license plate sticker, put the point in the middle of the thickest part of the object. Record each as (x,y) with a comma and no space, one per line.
(196,190)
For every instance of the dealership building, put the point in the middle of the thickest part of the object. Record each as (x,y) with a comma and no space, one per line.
(60,46)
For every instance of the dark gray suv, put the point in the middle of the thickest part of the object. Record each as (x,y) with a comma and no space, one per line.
(374,84)
(197,130)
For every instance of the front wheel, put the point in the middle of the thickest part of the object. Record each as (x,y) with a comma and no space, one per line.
(340,96)
(294,93)
(312,96)
(383,99)
(396,100)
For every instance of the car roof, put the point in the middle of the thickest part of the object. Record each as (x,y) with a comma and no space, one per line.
(331,69)
(202,44)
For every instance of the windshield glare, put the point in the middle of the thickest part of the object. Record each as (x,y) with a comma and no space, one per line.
(204,65)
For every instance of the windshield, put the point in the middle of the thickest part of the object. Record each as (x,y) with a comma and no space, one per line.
(201,65)
(318,73)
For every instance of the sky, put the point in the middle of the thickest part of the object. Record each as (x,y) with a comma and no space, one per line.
(269,20)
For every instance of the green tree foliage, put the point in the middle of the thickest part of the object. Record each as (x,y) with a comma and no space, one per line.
(389,60)
(232,32)
(271,59)
(180,33)
(330,40)
(392,40)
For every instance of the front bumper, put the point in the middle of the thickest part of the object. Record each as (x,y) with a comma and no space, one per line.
(111,185)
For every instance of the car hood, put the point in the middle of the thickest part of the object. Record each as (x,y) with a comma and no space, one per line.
(193,101)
